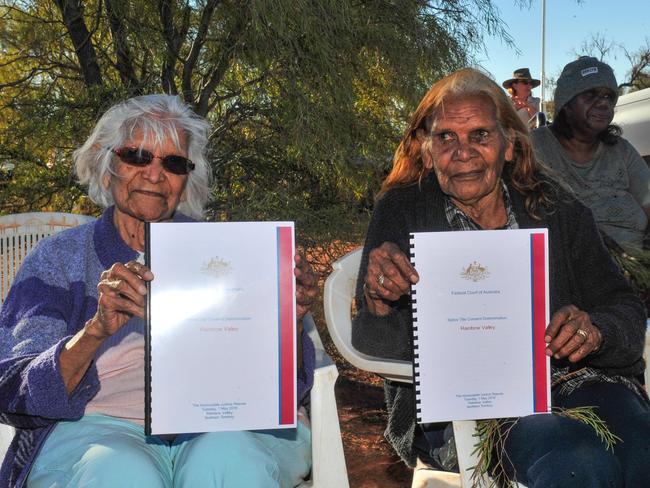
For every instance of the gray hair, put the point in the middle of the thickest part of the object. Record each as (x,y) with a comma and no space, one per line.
(158,117)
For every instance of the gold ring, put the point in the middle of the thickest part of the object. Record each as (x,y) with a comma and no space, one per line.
(371,294)
(380,279)
(582,334)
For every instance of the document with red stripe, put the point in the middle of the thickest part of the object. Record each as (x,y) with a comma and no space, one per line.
(480,310)
(220,341)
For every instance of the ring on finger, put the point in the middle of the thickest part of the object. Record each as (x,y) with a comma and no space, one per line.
(582,333)
(371,293)
(380,279)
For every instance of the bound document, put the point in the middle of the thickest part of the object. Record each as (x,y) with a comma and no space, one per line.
(220,342)
(480,311)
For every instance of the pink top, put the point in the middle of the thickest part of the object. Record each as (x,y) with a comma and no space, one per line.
(121,377)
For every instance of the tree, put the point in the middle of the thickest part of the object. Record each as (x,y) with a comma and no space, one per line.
(307,99)
(638,76)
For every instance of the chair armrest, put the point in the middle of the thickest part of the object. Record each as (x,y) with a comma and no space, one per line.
(322,358)
(337,297)
(328,459)
(465,440)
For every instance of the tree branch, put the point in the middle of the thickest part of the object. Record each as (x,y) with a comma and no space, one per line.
(221,66)
(193,56)
(72,13)
(123,58)
(174,39)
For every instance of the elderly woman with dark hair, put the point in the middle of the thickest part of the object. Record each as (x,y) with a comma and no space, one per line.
(465,163)
(604,171)
(71,329)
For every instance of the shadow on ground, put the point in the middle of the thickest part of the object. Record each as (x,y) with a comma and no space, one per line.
(371,462)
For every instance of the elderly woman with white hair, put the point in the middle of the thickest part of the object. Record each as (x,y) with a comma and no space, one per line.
(71,329)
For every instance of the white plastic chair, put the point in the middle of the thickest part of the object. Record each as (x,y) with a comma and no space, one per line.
(20,232)
(328,460)
(339,292)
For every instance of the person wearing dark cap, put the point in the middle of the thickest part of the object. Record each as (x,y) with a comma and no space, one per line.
(589,154)
(520,88)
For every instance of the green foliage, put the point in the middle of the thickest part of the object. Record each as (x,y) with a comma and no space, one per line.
(307,99)
(492,434)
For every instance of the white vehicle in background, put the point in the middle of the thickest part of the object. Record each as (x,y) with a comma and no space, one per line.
(632,114)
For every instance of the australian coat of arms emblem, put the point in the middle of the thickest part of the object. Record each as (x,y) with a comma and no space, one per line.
(216,267)
(475,272)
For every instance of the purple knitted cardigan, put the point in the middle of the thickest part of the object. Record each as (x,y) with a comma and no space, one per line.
(53,296)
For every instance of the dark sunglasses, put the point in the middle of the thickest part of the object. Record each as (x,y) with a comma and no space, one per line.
(141,157)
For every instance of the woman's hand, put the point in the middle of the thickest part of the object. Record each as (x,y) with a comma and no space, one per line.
(121,296)
(390,275)
(121,293)
(306,286)
(572,335)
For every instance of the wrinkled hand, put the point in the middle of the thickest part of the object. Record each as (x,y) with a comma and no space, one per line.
(390,275)
(563,336)
(306,286)
(121,292)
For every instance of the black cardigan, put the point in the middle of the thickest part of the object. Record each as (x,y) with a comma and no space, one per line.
(581,270)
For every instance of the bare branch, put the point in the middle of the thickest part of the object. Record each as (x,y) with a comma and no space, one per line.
(193,56)
(638,76)
(124,60)
(72,13)
(597,46)
(221,66)
(174,39)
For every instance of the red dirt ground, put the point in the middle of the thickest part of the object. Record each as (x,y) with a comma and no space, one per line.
(371,461)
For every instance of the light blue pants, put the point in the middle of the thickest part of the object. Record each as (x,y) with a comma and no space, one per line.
(104,452)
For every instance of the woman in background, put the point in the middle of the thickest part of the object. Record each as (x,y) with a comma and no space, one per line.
(520,88)
(604,171)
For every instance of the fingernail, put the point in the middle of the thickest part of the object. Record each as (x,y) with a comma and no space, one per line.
(142,289)
(547,338)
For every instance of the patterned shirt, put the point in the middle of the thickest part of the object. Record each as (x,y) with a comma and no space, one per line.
(459,221)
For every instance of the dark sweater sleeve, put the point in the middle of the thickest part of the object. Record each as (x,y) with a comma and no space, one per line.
(608,298)
(388,336)
(305,376)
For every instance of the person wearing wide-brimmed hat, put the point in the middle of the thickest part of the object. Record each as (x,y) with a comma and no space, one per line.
(582,145)
(520,87)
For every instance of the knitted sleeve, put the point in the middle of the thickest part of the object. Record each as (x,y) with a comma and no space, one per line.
(35,323)
(388,336)
(604,293)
